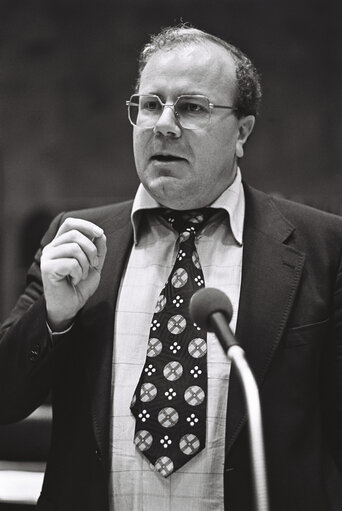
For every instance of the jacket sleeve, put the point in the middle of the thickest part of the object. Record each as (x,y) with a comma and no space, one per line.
(25,346)
(336,372)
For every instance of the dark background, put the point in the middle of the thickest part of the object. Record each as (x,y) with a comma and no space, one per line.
(67,66)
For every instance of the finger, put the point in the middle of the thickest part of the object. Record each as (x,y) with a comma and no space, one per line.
(87,228)
(60,269)
(86,245)
(70,250)
(101,246)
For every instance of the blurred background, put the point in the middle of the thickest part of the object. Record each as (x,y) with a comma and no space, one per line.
(67,66)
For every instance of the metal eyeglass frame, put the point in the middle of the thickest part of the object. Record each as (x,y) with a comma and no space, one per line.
(172,106)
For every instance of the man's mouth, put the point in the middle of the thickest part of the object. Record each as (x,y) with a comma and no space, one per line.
(166,158)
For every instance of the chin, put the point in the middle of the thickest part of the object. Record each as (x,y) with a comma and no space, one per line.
(171,191)
(162,187)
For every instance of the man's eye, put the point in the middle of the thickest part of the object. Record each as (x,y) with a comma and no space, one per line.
(150,105)
(191,108)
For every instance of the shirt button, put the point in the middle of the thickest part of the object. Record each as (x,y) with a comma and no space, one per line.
(98,454)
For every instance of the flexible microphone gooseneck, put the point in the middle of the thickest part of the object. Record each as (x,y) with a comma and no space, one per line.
(212,310)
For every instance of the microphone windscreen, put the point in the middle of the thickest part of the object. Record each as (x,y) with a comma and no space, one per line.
(207,301)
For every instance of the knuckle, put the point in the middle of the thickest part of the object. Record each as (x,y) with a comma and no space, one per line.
(92,250)
(46,249)
(69,221)
(75,248)
(85,274)
(44,260)
(73,235)
(74,264)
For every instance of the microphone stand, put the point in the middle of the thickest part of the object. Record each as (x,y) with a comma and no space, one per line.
(237,356)
(212,309)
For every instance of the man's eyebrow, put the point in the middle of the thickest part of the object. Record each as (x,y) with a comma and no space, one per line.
(194,93)
(184,93)
(149,93)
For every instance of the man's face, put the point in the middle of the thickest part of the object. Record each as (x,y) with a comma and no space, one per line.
(182,168)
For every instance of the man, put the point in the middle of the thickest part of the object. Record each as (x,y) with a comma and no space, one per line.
(82,328)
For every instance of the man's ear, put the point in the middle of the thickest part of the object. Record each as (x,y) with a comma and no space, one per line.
(246,125)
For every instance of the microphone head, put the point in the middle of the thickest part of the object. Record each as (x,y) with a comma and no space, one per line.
(207,301)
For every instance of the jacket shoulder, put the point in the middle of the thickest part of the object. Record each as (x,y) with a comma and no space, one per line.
(306,217)
(297,213)
(310,230)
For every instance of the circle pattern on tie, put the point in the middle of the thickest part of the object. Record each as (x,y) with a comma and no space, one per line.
(195,260)
(184,236)
(189,444)
(161,302)
(168,417)
(143,440)
(173,370)
(179,278)
(148,392)
(194,395)
(154,347)
(164,465)
(176,324)
(197,347)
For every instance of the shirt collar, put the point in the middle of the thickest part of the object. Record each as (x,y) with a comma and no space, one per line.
(232,200)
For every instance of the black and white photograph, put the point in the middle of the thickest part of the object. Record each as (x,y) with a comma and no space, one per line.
(170,255)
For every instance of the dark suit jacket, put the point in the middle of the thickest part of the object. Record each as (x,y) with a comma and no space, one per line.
(289,323)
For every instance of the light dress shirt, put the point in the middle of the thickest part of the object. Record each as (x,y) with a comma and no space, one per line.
(198,485)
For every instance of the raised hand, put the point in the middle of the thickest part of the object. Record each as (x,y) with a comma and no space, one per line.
(71,269)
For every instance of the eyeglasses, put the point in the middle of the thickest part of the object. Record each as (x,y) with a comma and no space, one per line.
(193,112)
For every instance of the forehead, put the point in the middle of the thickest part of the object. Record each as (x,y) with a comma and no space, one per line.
(204,68)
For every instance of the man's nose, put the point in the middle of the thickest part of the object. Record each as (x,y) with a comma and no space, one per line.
(167,123)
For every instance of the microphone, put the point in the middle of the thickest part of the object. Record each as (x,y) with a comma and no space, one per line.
(212,310)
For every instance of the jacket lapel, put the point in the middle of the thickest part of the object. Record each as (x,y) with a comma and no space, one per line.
(98,322)
(270,276)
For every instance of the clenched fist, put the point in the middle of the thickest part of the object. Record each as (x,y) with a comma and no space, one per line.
(71,269)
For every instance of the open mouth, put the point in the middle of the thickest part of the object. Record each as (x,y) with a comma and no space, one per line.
(166,158)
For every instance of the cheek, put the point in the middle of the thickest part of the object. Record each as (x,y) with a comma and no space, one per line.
(224,149)
(215,151)
(139,148)
(136,141)
(216,162)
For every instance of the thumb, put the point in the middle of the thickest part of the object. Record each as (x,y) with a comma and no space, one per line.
(101,245)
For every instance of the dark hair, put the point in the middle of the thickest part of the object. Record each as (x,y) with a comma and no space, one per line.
(248,91)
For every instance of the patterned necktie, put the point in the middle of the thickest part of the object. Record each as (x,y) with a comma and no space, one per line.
(169,403)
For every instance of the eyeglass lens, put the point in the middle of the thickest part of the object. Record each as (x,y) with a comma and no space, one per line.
(192,112)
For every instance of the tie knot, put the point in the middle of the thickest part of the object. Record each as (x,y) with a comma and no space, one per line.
(191,220)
